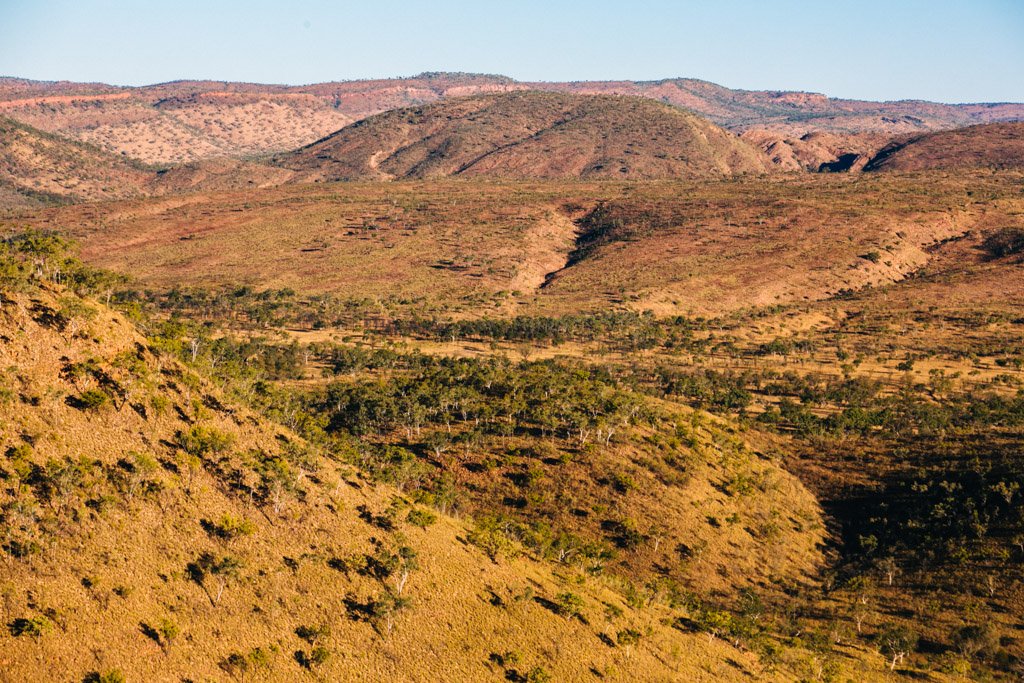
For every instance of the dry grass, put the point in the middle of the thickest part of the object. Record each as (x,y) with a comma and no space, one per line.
(192,120)
(529,135)
(482,248)
(105,576)
(996,146)
(39,166)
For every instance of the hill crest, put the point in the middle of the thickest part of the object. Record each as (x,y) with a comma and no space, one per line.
(528,135)
(191,120)
(992,146)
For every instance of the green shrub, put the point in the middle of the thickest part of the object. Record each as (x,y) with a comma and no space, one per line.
(872,256)
(421,518)
(31,626)
(168,632)
(319,655)
(569,604)
(229,528)
(313,634)
(627,637)
(202,441)
(92,399)
(538,675)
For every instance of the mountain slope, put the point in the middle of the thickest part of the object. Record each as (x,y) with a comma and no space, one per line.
(528,135)
(818,152)
(190,120)
(993,146)
(543,247)
(37,166)
(154,530)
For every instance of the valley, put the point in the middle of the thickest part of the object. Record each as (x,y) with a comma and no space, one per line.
(461,378)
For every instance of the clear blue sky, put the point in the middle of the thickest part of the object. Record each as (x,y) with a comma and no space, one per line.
(945,50)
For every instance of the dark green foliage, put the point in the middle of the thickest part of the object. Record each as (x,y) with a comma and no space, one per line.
(574,402)
(569,605)
(872,256)
(421,518)
(538,674)
(975,641)
(1005,242)
(228,527)
(29,626)
(708,389)
(204,441)
(92,399)
(108,676)
(896,642)
(628,637)
(317,657)
(313,634)
(34,256)
(238,664)
(220,569)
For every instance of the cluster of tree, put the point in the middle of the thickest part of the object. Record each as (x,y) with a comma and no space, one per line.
(246,307)
(625,330)
(962,511)
(51,496)
(32,257)
(911,410)
(575,402)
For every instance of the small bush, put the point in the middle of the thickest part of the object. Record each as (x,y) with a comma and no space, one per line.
(1005,242)
(622,482)
(569,605)
(627,637)
(229,528)
(421,518)
(168,632)
(109,676)
(313,634)
(201,441)
(235,664)
(538,675)
(32,626)
(319,655)
(92,399)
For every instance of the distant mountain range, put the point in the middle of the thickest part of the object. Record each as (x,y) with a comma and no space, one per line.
(193,120)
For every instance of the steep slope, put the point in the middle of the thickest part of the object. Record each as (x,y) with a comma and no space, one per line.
(153,530)
(528,135)
(40,166)
(818,152)
(190,120)
(992,146)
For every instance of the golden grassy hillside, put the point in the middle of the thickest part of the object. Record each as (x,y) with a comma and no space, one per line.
(154,530)
(528,135)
